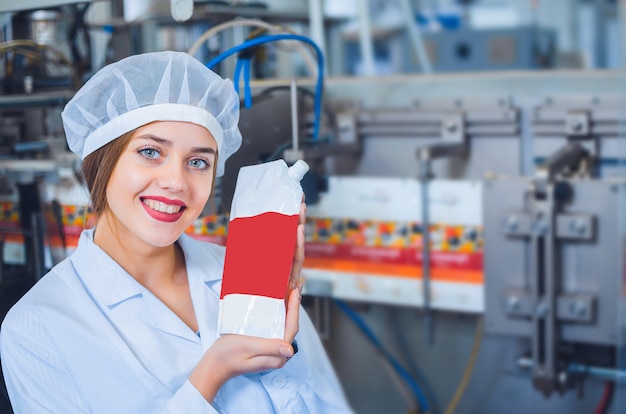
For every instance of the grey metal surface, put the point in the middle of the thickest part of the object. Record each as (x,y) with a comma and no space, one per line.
(11,6)
(432,127)
(497,384)
(590,265)
(490,49)
(593,120)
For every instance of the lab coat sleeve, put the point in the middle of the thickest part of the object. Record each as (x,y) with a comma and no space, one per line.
(38,380)
(35,375)
(189,400)
(307,383)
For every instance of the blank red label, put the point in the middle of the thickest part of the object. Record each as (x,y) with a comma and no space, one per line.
(259,255)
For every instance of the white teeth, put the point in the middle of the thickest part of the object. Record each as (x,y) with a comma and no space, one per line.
(162,207)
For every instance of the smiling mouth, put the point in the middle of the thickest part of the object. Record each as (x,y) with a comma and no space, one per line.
(162,207)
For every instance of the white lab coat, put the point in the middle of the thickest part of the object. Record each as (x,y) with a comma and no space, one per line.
(89,338)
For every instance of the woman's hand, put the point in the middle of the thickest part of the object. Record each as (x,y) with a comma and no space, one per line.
(232,355)
(295,281)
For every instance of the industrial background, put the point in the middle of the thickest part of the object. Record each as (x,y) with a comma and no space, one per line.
(466,205)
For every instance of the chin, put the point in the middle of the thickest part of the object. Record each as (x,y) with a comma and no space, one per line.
(162,240)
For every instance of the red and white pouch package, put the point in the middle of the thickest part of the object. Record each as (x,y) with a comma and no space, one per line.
(259,249)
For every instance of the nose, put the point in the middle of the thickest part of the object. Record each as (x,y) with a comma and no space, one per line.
(172,177)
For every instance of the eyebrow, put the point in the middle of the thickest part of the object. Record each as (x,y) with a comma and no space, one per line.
(169,143)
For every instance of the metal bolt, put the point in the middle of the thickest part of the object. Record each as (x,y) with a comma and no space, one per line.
(540,227)
(28,84)
(513,304)
(451,126)
(578,309)
(576,125)
(542,310)
(578,226)
(511,224)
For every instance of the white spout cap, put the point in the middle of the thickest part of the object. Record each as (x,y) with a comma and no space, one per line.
(298,170)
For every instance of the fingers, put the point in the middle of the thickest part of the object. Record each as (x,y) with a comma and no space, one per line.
(249,353)
(302,213)
(294,290)
(262,347)
(298,257)
(265,354)
(232,355)
(293,314)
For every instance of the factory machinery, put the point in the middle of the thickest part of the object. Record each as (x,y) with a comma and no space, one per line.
(515,211)
(498,198)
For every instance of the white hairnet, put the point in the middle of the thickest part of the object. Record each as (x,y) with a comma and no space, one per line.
(157,86)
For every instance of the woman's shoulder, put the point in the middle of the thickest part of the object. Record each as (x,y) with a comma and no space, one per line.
(48,295)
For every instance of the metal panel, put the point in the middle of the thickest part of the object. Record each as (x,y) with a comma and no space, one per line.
(493,49)
(15,5)
(588,239)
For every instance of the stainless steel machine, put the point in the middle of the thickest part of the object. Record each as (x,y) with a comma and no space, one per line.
(545,155)
(555,274)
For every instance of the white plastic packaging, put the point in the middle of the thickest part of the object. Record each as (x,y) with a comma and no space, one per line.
(260,246)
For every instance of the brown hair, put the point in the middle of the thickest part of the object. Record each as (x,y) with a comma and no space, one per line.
(98,167)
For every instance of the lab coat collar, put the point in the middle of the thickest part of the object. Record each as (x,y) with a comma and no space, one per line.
(199,264)
(111,284)
(204,270)
(106,280)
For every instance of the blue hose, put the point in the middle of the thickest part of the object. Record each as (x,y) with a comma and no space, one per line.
(379,346)
(247,93)
(273,38)
(237,74)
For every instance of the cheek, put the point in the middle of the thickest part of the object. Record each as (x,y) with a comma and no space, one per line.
(122,185)
(202,191)
(206,193)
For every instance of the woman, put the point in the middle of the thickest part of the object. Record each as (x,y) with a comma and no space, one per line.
(127,323)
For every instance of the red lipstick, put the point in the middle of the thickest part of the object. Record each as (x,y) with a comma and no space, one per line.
(161,216)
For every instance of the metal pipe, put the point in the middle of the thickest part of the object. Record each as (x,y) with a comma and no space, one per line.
(316,24)
(609,374)
(416,36)
(293,88)
(365,36)
(424,177)
(600,32)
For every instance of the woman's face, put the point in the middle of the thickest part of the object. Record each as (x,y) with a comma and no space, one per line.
(161,182)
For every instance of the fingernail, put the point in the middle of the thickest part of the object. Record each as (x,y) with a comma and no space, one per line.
(286,351)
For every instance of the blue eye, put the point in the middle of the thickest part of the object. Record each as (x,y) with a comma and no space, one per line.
(199,164)
(149,153)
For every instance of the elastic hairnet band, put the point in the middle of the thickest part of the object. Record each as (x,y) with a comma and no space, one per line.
(159,112)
